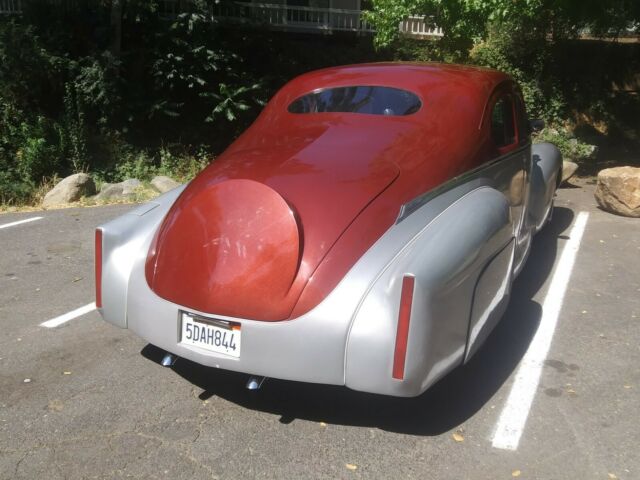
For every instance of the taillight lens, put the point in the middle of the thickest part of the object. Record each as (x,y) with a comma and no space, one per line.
(402,334)
(98,259)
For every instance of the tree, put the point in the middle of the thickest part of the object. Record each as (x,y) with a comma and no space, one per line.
(466,22)
(525,38)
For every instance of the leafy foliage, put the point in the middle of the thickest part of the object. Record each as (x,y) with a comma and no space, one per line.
(172,161)
(28,151)
(69,102)
(527,57)
(467,21)
(202,75)
(173,90)
(231,101)
(571,148)
(529,39)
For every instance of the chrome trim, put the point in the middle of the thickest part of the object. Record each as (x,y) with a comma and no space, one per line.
(216,322)
(413,205)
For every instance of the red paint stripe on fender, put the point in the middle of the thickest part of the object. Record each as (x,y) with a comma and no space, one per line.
(402,334)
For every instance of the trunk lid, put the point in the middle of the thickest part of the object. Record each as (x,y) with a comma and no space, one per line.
(246,235)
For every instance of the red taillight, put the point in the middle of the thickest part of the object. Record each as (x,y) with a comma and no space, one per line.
(98,256)
(402,334)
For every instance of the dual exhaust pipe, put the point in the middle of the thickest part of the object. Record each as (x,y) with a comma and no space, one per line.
(254,382)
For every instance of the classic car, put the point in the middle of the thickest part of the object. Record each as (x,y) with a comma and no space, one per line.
(364,231)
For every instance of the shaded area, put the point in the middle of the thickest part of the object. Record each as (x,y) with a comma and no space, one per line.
(601,81)
(446,405)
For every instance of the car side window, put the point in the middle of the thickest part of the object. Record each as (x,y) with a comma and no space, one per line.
(522,121)
(503,129)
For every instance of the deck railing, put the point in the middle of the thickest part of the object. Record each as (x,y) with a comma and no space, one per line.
(293,17)
(420,26)
(288,17)
(317,19)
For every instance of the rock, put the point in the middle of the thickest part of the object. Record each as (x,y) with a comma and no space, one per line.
(618,191)
(70,189)
(568,170)
(163,184)
(119,191)
(130,186)
(107,189)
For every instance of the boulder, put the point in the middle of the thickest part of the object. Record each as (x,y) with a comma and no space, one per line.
(130,186)
(618,191)
(70,189)
(568,170)
(163,184)
(119,191)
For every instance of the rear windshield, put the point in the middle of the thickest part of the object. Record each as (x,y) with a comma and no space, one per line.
(358,99)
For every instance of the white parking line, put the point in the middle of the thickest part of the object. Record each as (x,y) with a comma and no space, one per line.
(514,415)
(56,322)
(20,222)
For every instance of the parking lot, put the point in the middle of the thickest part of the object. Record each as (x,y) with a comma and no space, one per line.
(553,394)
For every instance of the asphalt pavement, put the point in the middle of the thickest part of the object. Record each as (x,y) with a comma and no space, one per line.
(88,400)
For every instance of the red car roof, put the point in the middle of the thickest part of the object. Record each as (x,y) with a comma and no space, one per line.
(344,175)
(419,78)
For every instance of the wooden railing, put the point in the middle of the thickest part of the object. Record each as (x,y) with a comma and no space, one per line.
(288,17)
(293,17)
(420,26)
(317,19)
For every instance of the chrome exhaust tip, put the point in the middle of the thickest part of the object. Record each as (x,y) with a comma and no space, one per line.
(254,383)
(168,360)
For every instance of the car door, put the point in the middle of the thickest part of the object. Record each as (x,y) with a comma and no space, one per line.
(508,149)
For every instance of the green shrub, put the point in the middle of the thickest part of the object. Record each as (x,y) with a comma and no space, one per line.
(37,155)
(182,167)
(14,191)
(29,74)
(572,149)
(526,56)
(174,162)
(140,165)
(29,152)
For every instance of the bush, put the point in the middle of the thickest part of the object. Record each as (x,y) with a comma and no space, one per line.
(174,161)
(177,87)
(526,56)
(572,149)
(182,166)
(29,151)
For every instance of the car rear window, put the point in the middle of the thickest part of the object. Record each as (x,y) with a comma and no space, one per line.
(369,100)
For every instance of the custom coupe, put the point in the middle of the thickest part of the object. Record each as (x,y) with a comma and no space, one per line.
(364,231)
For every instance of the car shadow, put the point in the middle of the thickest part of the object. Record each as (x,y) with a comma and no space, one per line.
(446,405)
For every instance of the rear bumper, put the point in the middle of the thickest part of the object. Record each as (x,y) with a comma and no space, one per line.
(336,343)
(309,349)
(349,338)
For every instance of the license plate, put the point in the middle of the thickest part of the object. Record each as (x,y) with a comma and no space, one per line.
(213,335)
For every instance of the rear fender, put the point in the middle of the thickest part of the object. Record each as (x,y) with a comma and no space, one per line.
(490,298)
(446,257)
(122,239)
(546,167)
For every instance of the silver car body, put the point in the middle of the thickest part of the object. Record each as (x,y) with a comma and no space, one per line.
(464,243)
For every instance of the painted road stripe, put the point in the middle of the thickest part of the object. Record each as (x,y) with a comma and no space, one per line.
(20,222)
(56,322)
(514,415)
